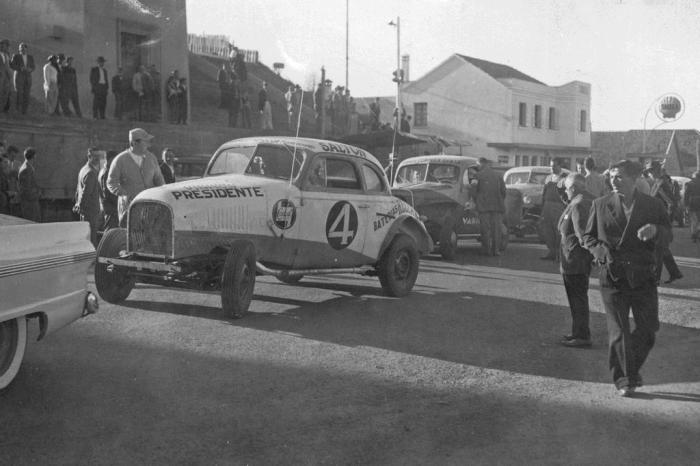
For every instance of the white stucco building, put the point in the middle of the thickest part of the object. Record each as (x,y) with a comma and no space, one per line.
(498,112)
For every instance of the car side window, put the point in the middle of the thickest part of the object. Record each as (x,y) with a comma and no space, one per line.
(373,181)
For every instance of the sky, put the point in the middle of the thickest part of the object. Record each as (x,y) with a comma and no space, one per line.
(632,52)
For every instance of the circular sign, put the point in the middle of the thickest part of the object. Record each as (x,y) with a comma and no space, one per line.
(341,225)
(669,107)
(284,214)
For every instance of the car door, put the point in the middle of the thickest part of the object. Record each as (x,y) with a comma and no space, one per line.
(333,214)
(382,209)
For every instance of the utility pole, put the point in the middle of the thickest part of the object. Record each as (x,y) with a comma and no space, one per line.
(697,154)
(347,41)
(322,104)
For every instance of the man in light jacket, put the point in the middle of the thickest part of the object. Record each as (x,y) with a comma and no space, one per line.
(133,171)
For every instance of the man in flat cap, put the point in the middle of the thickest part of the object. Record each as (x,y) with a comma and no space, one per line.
(99,83)
(133,171)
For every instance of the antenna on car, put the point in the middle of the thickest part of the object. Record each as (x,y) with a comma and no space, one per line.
(296,136)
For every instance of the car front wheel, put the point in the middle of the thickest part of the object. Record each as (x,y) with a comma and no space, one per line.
(238,279)
(113,285)
(398,267)
(13,341)
(448,241)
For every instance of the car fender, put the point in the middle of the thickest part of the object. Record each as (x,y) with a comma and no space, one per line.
(408,225)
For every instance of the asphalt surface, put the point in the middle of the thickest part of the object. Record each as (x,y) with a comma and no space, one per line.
(465,370)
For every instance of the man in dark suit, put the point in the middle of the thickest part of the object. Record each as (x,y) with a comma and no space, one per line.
(166,165)
(574,260)
(23,64)
(624,231)
(87,194)
(28,189)
(99,83)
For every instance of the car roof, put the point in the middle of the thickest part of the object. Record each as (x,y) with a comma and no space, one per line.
(315,145)
(440,158)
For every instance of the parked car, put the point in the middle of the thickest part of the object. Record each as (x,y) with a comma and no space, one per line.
(43,276)
(439,188)
(529,180)
(299,207)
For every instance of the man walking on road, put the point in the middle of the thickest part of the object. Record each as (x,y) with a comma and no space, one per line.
(133,171)
(574,260)
(624,232)
(490,203)
(691,200)
(552,208)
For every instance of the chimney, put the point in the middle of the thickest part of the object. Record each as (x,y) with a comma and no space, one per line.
(404,66)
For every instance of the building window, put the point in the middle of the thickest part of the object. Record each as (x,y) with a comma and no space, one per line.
(522,117)
(583,124)
(503,159)
(517,161)
(552,118)
(420,114)
(533,160)
(538,116)
(526,160)
(546,160)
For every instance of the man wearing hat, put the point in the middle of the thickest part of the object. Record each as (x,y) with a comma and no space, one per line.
(99,84)
(133,171)
(5,75)
(23,64)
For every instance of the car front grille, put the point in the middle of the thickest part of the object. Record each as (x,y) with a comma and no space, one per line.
(150,229)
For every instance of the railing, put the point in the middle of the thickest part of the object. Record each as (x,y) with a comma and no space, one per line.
(217,46)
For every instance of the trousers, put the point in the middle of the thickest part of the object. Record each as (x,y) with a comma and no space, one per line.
(628,349)
(576,286)
(490,223)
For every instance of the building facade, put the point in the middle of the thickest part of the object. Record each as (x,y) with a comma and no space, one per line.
(495,111)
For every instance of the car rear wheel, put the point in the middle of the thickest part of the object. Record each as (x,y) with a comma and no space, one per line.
(238,279)
(13,341)
(398,267)
(448,241)
(113,285)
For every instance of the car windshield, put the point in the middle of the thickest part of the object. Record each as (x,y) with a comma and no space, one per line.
(527,177)
(423,172)
(276,162)
(232,160)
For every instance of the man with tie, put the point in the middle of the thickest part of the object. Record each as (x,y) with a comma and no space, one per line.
(100,85)
(23,64)
(624,232)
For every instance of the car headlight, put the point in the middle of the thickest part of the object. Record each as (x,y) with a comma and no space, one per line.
(527,200)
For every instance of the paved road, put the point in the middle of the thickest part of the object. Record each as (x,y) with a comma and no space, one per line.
(466,370)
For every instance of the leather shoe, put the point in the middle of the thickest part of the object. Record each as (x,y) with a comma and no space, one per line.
(674,278)
(577,342)
(625,392)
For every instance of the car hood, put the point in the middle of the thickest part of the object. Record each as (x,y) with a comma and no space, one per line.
(219,187)
(426,193)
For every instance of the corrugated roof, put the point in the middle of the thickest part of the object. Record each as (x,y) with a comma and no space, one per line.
(498,70)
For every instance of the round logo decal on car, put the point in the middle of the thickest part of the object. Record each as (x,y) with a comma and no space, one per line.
(284,214)
(341,225)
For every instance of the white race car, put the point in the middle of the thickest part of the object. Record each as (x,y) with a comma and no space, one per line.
(277,206)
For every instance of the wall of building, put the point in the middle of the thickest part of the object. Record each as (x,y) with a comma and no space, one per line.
(567,100)
(464,103)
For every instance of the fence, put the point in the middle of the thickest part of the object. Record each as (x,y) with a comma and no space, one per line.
(217,46)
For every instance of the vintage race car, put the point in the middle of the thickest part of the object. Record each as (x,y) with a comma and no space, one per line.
(530,181)
(43,275)
(267,205)
(440,189)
